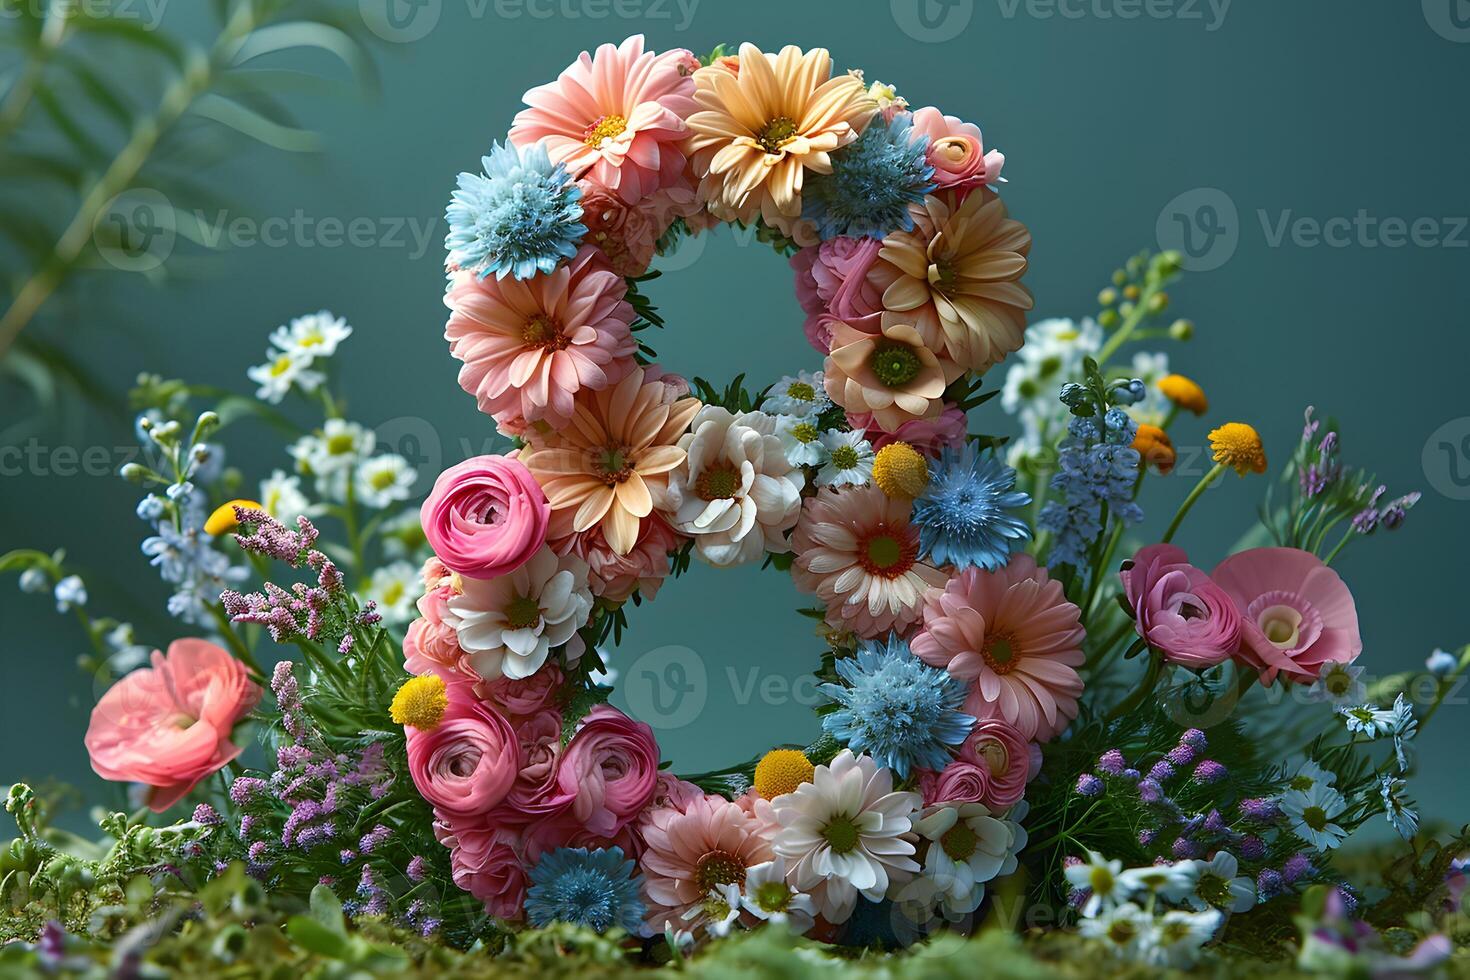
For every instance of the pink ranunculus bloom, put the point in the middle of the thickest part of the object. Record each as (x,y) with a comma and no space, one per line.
(624,233)
(431,646)
(832,281)
(929,436)
(525,697)
(611,765)
(169,725)
(616,577)
(956,151)
(485,861)
(465,765)
(486,517)
(529,346)
(1296,614)
(616,117)
(1179,610)
(992,767)
(958,782)
(536,795)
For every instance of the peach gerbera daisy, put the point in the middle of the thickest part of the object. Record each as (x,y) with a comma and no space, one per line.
(1014,636)
(529,346)
(892,374)
(759,128)
(610,465)
(691,851)
(616,118)
(857,552)
(957,274)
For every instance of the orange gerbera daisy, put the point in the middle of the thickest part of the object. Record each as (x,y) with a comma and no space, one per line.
(957,274)
(610,466)
(758,130)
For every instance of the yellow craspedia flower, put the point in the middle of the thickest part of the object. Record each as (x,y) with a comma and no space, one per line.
(900,471)
(1238,446)
(420,703)
(780,771)
(1155,447)
(223,518)
(1185,393)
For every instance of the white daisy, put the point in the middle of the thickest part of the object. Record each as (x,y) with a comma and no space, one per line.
(1310,774)
(281,497)
(1338,684)
(383,480)
(1218,884)
(848,832)
(1311,813)
(801,439)
(1102,879)
(849,460)
(769,896)
(1122,928)
(718,913)
(1176,938)
(736,493)
(1170,881)
(1367,719)
(804,395)
(508,625)
(282,372)
(395,587)
(1399,811)
(338,447)
(968,847)
(313,335)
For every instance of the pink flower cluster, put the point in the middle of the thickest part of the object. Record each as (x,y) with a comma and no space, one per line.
(1278,611)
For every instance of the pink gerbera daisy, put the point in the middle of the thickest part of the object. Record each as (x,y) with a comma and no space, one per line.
(856,550)
(1014,636)
(529,346)
(616,118)
(691,852)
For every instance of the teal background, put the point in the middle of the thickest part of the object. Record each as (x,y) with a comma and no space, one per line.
(1312,107)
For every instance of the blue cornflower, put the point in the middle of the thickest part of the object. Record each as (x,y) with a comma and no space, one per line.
(1097,466)
(873,181)
(897,708)
(595,888)
(963,514)
(518,218)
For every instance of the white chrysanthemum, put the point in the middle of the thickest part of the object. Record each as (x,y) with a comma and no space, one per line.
(508,625)
(1170,881)
(849,460)
(770,896)
(968,847)
(848,833)
(338,447)
(395,587)
(1312,813)
(384,480)
(803,395)
(736,493)
(313,335)
(801,439)
(1123,929)
(281,496)
(1218,884)
(1176,937)
(1103,881)
(282,372)
(1310,774)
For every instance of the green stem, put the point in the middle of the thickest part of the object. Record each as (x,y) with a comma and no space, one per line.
(18,99)
(1444,688)
(1340,545)
(1189,501)
(237,646)
(1130,324)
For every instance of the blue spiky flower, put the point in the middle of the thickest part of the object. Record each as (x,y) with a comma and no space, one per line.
(594,888)
(896,708)
(964,514)
(518,218)
(873,181)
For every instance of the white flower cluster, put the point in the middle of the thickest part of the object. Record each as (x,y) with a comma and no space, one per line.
(294,350)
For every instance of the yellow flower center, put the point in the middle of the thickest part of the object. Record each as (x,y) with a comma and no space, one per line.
(900,471)
(1315,817)
(776,134)
(606,128)
(1238,446)
(522,612)
(718,868)
(844,457)
(341,444)
(895,364)
(805,432)
(801,391)
(841,834)
(280,365)
(780,771)
(720,482)
(543,331)
(381,479)
(420,703)
(772,896)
